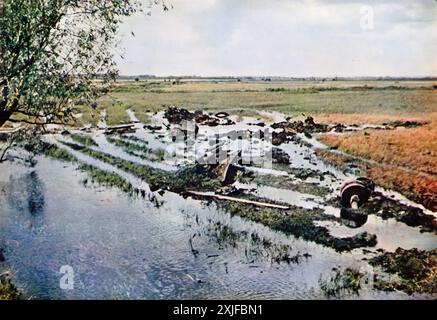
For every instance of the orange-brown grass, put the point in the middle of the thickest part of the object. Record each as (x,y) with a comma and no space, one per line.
(358,118)
(419,187)
(414,148)
(403,159)
(339,160)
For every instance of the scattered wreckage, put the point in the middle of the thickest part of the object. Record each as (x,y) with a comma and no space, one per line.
(353,194)
(175,115)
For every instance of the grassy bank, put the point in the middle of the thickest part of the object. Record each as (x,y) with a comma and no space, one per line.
(342,282)
(403,159)
(257,248)
(83,139)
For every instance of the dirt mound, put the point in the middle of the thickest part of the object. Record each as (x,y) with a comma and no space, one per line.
(280,156)
(308,125)
(176,115)
(405,124)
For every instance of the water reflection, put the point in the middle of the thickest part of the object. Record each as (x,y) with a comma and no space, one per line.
(353,218)
(124,247)
(26,195)
(35,194)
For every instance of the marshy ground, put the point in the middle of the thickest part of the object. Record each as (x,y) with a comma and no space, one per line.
(118,208)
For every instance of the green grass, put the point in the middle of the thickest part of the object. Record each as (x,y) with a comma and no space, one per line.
(291,98)
(106,178)
(138,149)
(88,116)
(53,151)
(134,139)
(116,111)
(416,270)
(288,183)
(95,174)
(191,177)
(260,248)
(341,282)
(83,139)
(141,113)
(298,222)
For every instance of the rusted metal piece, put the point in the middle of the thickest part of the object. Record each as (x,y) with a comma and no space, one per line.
(227,170)
(354,194)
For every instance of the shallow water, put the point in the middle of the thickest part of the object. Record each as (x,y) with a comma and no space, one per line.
(123,247)
(391,234)
(128,248)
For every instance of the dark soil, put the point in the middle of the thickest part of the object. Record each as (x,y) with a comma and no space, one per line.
(416,270)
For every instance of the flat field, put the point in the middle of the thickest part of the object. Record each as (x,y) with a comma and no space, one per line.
(391,98)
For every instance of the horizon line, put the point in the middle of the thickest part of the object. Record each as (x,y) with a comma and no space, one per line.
(275,77)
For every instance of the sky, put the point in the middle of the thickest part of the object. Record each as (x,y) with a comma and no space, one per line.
(291,38)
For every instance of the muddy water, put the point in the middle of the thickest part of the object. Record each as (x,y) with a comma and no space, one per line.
(391,234)
(105,146)
(122,247)
(125,247)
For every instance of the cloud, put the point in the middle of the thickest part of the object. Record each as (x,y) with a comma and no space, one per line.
(280,37)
